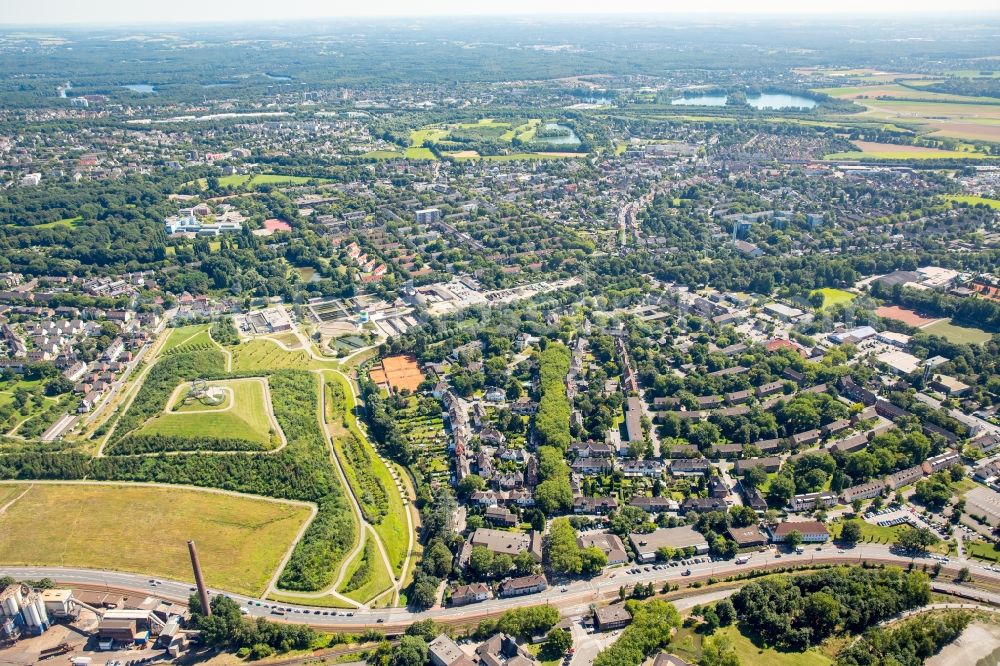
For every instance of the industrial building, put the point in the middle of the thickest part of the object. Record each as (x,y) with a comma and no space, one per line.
(22,613)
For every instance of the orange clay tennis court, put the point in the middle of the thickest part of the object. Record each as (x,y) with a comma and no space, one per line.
(398,373)
(908,317)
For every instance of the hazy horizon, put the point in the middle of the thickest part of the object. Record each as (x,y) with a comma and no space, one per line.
(113,13)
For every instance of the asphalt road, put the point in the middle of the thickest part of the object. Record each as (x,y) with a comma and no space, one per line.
(572,598)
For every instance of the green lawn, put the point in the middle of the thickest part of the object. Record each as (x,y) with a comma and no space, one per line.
(750,655)
(982,550)
(687,644)
(833,297)
(242,416)
(419,153)
(973,200)
(251,181)
(958,334)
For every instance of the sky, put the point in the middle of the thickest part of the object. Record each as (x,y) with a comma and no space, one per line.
(56,12)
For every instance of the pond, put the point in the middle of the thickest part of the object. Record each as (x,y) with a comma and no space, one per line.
(764,101)
(570,139)
(145,88)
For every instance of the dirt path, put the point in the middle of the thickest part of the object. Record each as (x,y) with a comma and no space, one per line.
(3,509)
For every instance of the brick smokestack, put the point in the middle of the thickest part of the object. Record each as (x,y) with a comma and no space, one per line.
(199,579)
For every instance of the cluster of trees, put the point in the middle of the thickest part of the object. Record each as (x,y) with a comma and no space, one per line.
(653,623)
(563,555)
(521,622)
(909,643)
(800,611)
(372,494)
(486,565)
(255,638)
(552,417)
(554,494)
(440,545)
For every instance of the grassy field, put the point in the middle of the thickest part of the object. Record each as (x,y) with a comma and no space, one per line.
(960,334)
(245,418)
(687,644)
(393,528)
(323,602)
(973,200)
(980,549)
(419,153)
(263,354)
(378,579)
(187,335)
(240,540)
(833,297)
(252,181)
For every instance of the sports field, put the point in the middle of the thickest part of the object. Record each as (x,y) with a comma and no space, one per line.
(973,200)
(145,530)
(833,296)
(242,415)
(252,181)
(954,333)
(398,372)
(908,317)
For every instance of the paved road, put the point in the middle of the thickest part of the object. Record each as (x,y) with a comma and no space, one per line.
(577,596)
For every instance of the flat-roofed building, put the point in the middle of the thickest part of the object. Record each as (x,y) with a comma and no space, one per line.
(748,537)
(612,617)
(676,538)
(443,651)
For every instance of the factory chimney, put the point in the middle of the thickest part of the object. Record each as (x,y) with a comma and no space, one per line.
(199,579)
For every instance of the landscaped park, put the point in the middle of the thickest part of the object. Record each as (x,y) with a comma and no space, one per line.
(268,471)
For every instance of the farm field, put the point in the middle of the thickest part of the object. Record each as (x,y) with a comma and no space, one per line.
(954,333)
(241,540)
(243,415)
(833,296)
(897,91)
(973,200)
(872,150)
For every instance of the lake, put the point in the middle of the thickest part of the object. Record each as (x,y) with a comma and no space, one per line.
(277,77)
(570,139)
(145,88)
(759,102)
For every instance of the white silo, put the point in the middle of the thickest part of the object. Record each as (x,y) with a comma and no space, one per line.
(10,606)
(31,617)
(40,607)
